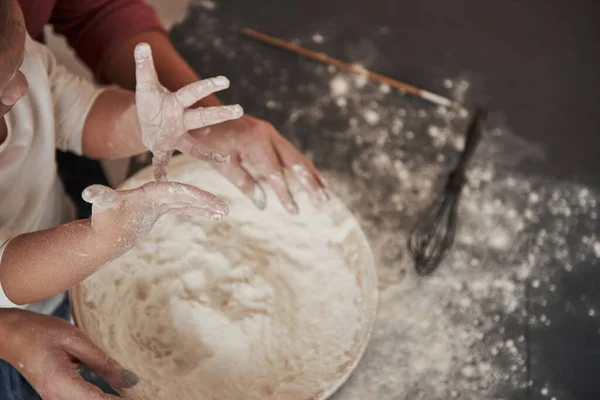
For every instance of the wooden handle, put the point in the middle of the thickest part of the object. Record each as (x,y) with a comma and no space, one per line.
(324,58)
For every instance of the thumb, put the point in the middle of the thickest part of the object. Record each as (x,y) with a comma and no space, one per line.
(97,361)
(145,74)
(102,197)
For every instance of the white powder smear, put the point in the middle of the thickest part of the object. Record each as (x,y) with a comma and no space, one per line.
(339,86)
(360,80)
(343,102)
(371,117)
(384,88)
(262,305)
(446,333)
(459,90)
(207,4)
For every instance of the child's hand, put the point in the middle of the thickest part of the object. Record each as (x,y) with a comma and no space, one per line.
(48,351)
(165,117)
(128,215)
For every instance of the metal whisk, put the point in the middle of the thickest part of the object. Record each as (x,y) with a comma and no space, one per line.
(433,235)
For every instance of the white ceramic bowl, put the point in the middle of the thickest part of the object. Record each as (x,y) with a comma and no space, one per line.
(98,299)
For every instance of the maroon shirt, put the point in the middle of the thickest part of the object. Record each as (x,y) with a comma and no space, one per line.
(92,27)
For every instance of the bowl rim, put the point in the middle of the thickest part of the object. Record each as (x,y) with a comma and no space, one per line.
(181,161)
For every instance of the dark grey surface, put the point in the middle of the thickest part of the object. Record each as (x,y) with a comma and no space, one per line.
(535,63)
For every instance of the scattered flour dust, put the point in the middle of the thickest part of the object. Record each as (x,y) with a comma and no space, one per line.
(318,38)
(460,333)
(339,86)
(261,305)
(207,4)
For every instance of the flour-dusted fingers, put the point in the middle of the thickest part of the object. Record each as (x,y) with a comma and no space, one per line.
(174,195)
(145,74)
(96,360)
(309,181)
(160,160)
(270,167)
(101,197)
(236,174)
(165,118)
(276,180)
(69,385)
(193,148)
(190,94)
(303,169)
(201,117)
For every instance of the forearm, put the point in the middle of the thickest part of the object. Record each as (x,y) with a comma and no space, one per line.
(173,71)
(41,264)
(9,317)
(112,129)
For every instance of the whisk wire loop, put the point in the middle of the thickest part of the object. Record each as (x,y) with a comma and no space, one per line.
(433,235)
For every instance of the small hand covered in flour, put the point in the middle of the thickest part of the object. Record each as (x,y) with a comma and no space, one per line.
(128,215)
(257,142)
(165,118)
(48,351)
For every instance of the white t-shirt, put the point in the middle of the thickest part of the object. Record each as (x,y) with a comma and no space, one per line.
(50,116)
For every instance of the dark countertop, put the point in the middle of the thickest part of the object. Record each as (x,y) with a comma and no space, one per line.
(536,66)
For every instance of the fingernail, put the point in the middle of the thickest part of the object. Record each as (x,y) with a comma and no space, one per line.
(221,81)
(293,208)
(142,50)
(237,111)
(259,198)
(322,194)
(129,378)
(9,100)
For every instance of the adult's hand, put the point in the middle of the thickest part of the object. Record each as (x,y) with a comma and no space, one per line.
(257,142)
(48,351)
(165,117)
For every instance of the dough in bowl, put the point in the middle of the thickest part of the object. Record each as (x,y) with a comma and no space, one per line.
(262,305)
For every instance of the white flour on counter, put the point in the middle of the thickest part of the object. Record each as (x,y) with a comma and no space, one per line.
(460,333)
(262,305)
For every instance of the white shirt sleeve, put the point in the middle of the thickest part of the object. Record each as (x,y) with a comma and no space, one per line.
(5,237)
(73,98)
